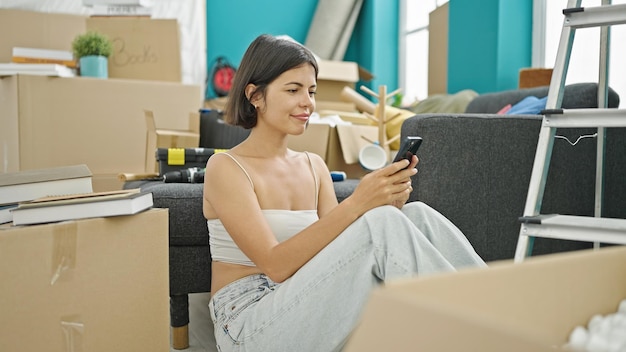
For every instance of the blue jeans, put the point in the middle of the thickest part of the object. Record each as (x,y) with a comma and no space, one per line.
(319,306)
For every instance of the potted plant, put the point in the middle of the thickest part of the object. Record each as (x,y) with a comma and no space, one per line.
(92,50)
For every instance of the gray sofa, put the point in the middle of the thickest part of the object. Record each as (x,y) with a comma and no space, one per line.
(475,169)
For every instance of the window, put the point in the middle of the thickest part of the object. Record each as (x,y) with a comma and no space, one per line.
(584,60)
(413,66)
(547,24)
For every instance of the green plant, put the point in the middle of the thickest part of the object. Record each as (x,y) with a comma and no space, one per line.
(92,43)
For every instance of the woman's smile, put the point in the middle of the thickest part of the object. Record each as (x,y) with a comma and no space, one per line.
(304,117)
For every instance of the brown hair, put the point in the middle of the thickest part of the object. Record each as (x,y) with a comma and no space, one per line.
(266,58)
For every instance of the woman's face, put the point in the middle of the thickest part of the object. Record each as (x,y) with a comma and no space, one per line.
(289,100)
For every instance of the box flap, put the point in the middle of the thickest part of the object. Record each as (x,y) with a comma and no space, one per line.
(314,139)
(343,71)
(168,138)
(351,140)
(535,303)
(365,75)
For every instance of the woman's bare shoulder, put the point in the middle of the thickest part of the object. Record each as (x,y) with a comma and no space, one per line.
(220,166)
(315,158)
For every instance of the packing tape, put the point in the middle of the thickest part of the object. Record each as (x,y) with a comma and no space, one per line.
(64,249)
(73,330)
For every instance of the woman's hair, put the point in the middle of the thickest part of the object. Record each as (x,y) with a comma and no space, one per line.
(266,58)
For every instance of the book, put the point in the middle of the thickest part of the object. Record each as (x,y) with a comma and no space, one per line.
(5,213)
(12,68)
(121,10)
(82,206)
(146,3)
(43,56)
(27,185)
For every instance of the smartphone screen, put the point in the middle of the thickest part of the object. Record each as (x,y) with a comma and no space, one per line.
(408,148)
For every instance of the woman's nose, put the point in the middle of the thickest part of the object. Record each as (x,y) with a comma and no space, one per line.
(308,99)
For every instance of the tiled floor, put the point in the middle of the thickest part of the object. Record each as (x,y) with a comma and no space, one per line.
(201,337)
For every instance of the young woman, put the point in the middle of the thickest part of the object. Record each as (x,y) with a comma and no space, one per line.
(292,269)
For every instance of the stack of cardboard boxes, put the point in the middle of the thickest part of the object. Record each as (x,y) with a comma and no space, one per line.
(53,121)
(97,284)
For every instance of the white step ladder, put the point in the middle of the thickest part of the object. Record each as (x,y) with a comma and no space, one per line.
(580,228)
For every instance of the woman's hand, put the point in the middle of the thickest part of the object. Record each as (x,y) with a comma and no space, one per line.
(390,185)
(399,203)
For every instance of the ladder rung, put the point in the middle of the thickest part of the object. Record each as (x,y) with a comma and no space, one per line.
(595,16)
(576,228)
(570,118)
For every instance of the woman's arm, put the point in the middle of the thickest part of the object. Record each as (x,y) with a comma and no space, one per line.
(241,214)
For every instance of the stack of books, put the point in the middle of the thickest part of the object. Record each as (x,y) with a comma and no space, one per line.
(114,8)
(9,69)
(82,206)
(38,61)
(60,194)
(23,186)
(43,56)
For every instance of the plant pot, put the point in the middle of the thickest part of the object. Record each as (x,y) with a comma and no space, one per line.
(94,66)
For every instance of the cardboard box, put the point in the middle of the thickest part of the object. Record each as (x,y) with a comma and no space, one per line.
(31,29)
(323,105)
(438,50)
(532,306)
(143,48)
(334,75)
(356,118)
(338,145)
(52,121)
(166,138)
(89,285)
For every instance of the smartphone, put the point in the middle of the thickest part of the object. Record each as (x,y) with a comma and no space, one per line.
(408,148)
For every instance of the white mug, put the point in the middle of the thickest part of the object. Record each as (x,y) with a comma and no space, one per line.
(372,157)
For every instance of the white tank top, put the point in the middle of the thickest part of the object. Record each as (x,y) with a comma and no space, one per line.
(284,224)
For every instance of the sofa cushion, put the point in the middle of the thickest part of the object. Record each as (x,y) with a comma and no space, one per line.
(575,96)
(475,169)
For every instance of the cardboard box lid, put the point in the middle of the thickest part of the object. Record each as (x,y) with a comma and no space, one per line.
(338,71)
(344,71)
(351,138)
(532,306)
(37,30)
